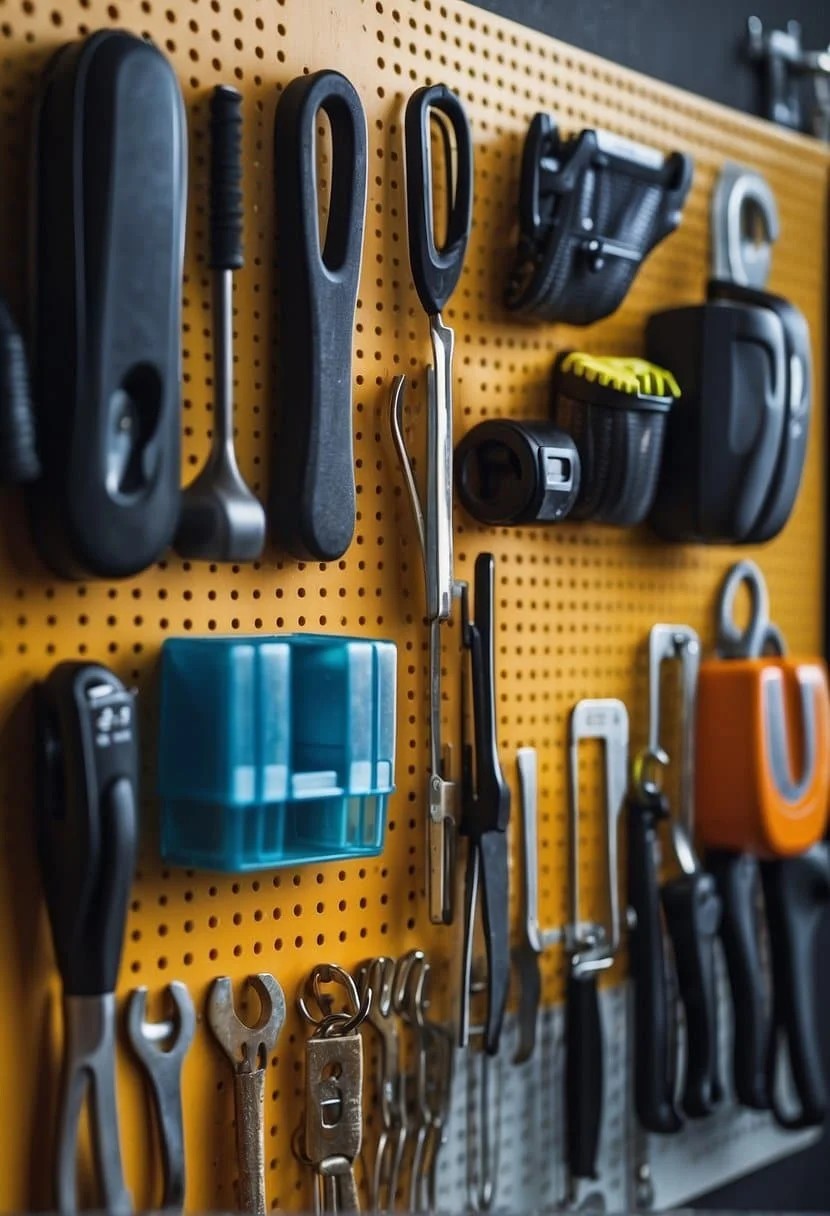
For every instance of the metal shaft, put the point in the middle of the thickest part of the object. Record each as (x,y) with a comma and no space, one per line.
(223,443)
(249,1098)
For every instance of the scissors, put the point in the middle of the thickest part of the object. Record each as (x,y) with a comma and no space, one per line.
(436,270)
(759,636)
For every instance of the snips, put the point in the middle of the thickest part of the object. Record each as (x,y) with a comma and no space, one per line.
(436,270)
(485,816)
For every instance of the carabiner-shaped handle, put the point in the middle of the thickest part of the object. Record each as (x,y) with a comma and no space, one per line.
(436,270)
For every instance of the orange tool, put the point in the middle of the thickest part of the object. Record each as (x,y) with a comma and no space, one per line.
(763,728)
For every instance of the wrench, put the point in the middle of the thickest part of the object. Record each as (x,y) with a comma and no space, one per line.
(248,1048)
(160,1048)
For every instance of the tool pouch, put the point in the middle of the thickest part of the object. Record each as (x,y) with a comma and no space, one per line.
(615,410)
(763,755)
(735,446)
(590,209)
(110,180)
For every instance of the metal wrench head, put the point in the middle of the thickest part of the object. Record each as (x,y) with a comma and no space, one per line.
(169,1038)
(247,1047)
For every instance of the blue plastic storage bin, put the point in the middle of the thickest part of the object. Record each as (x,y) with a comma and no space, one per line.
(275,750)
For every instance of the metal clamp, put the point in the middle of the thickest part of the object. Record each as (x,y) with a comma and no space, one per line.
(667,642)
(785,64)
(593,946)
(745,226)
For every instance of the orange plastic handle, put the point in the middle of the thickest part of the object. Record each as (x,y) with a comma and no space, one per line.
(763,755)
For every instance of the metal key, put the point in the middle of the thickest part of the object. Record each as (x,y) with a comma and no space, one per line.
(334,1118)
(248,1048)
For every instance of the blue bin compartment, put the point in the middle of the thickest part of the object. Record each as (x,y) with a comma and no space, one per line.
(275,751)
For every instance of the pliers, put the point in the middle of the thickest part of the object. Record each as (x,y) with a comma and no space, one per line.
(485,815)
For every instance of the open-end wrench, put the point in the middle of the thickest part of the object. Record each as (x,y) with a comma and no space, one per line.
(248,1048)
(160,1048)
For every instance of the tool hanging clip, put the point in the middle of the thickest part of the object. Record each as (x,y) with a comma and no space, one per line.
(592,946)
(436,271)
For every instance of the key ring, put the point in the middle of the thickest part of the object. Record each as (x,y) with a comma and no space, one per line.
(646,771)
(331,1022)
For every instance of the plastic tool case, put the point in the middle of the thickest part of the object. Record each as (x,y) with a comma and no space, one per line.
(275,750)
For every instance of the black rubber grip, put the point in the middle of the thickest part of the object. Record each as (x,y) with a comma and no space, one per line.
(437,269)
(692,909)
(736,876)
(312,501)
(18,439)
(226,178)
(86,817)
(654,1057)
(796,893)
(583,1074)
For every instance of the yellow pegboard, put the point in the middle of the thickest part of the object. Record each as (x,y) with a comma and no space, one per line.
(574,602)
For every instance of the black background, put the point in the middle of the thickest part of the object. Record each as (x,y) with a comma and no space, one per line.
(698,45)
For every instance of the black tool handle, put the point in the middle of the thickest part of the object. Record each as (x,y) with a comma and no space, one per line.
(18,442)
(312,503)
(583,1074)
(736,877)
(796,893)
(487,800)
(86,814)
(437,269)
(654,1056)
(226,178)
(692,909)
(492,791)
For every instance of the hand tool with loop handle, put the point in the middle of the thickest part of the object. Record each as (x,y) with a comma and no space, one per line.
(436,270)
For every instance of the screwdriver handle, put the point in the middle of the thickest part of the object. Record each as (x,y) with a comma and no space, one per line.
(226,178)
(583,1074)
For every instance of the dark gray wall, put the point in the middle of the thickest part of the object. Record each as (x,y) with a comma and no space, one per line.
(697,45)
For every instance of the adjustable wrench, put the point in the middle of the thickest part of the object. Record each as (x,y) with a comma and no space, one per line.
(248,1048)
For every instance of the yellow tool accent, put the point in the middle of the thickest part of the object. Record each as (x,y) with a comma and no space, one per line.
(625,373)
